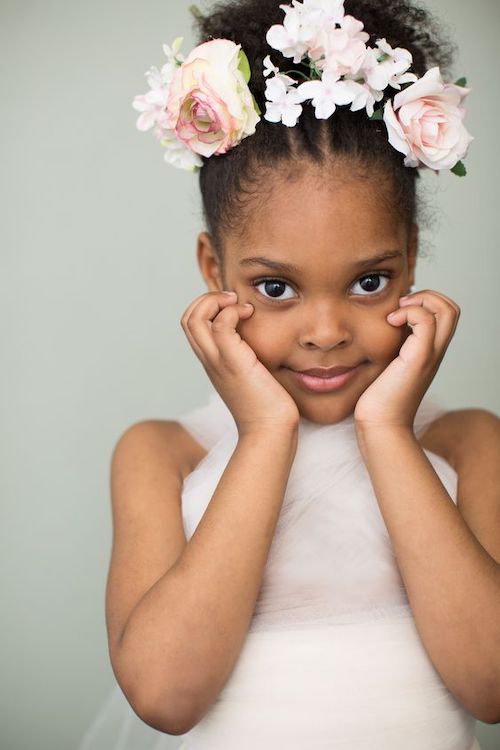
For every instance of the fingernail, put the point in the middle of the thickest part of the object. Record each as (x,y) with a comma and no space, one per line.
(230,294)
(392,314)
(248,304)
(407,296)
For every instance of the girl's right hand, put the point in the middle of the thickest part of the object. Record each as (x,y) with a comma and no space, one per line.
(255,398)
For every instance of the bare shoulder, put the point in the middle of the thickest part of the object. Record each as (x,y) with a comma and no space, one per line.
(171,438)
(191,450)
(457,435)
(469,439)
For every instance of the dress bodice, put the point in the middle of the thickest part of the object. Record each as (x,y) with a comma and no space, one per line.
(331,558)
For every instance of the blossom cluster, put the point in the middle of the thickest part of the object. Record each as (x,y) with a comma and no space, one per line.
(202,105)
(424,120)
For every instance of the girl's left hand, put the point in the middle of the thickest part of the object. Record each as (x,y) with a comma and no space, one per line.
(394,397)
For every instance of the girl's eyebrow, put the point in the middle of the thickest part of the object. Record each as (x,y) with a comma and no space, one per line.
(290,268)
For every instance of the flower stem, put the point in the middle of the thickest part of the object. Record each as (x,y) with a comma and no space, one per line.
(299,73)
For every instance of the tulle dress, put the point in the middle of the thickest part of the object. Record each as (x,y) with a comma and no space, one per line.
(332,659)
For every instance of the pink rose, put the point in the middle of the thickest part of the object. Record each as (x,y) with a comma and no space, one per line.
(426,122)
(210,106)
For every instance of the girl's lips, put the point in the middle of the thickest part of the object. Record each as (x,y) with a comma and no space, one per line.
(326,372)
(316,384)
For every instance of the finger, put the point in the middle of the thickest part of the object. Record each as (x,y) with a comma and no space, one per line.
(447,314)
(186,325)
(423,323)
(224,332)
(427,294)
(201,298)
(205,328)
(197,319)
(432,292)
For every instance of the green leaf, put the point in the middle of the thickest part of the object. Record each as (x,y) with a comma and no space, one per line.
(459,169)
(244,65)
(196,12)
(461,82)
(377,115)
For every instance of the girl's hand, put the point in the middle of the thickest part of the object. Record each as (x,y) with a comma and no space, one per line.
(254,397)
(394,397)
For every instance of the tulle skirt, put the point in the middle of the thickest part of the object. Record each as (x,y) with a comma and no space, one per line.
(344,687)
(350,687)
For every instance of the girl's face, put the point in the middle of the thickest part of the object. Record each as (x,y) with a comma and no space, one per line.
(307,264)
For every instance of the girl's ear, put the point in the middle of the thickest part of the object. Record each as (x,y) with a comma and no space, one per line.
(412,252)
(208,262)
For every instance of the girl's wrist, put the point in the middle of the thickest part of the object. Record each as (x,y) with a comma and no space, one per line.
(272,433)
(371,436)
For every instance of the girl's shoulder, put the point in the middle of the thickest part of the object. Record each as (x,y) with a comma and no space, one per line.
(170,438)
(187,450)
(459,434)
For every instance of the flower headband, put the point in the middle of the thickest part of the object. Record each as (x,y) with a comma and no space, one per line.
(202,106)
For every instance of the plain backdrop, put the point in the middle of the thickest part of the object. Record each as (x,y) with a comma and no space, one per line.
(98,264)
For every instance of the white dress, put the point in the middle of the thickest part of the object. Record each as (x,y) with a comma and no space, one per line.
(332,659)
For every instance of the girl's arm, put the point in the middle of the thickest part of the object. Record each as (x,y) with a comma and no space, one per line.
(176,639)
(183,637)
(452,580)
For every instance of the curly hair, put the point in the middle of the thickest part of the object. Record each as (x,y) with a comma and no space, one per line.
(231,184)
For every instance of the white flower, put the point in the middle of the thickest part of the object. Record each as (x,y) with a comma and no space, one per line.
(332,10)
(344,48)
(282,104)
(326,94)
(295,35)
(387,66)
(174,59)
(364,97)
(269,67)
(152,104)
(178,154)
(375,74)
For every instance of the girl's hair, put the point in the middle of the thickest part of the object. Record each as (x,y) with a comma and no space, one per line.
(232,184)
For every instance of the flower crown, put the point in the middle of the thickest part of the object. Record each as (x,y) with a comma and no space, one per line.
(202,106)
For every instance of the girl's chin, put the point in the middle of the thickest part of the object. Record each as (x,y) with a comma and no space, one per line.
(325,416)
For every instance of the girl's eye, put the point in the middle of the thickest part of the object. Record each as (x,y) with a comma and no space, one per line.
(371,283)
(370,286)
(273,288)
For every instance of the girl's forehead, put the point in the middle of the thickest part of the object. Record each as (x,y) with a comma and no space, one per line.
(325,238)
(337,210)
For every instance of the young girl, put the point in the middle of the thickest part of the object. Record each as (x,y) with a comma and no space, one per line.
(310,559)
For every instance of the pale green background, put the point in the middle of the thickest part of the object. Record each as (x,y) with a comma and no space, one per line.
(98,241)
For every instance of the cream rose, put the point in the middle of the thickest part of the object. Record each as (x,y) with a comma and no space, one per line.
(425,122)
(209,105)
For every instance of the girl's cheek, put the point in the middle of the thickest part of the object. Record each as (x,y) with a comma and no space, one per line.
(263,334)
(386,340)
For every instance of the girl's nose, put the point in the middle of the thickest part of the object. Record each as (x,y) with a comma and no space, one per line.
(324,327)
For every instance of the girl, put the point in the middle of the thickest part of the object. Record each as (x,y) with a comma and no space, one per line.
(312,558)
